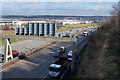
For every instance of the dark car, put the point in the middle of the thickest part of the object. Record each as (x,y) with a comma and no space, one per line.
(77,30)
(57,54)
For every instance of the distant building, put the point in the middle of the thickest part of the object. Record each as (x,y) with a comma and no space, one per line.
(20,23)
(37,28)
(65,22)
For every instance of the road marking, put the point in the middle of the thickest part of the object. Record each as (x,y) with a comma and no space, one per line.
(45,76)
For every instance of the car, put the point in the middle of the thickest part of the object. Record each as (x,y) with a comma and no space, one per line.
(1,58)
(85,34)
(15,53)
(70,56)
(57,54)
(77,30)
(62,49)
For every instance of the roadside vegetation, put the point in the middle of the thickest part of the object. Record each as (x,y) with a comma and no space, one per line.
(102,56)
(9,32)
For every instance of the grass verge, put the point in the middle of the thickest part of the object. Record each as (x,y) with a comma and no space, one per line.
(11,40)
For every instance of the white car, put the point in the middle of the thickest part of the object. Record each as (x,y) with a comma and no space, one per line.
(85,34)
(70,56)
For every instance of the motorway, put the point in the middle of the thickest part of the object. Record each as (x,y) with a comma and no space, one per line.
(35,66)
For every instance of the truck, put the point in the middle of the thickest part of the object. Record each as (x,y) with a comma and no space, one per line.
(58,67)
(62,49)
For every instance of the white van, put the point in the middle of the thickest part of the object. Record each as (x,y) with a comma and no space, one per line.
(70,56)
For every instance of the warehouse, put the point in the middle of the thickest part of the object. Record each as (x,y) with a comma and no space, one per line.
(37,28)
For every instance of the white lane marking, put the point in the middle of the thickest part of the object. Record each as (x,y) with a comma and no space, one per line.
(45,76)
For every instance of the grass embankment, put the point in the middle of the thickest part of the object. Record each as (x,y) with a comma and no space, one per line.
(72,26)
(99,61)
(9,32)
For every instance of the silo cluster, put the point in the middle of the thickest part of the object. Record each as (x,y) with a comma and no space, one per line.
(39,29)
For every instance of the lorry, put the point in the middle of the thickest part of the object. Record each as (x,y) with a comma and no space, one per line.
(58,67)
(62,49)
(70,56)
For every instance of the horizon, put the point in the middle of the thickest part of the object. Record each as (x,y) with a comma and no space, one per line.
(58,8)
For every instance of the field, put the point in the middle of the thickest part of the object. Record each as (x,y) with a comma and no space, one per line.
(72,26)
(9,32)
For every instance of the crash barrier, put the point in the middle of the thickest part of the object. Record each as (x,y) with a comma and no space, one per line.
(81,43)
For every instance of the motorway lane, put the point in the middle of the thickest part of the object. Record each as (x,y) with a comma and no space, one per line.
(36,66)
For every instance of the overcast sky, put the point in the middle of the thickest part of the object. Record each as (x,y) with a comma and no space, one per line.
(57,8)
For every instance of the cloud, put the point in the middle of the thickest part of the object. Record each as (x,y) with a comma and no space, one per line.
(38,8)
(59,0)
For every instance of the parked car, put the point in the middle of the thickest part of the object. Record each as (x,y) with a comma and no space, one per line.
(15,53)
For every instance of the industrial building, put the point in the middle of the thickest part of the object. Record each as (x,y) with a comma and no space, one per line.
(37,28)
(65,22)
(19,23)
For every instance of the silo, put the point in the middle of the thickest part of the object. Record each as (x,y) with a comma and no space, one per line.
(45,29)
(54,28)
(31,28)
(17,31)
(48,28)
(35,28)
(22,31)
(42,29)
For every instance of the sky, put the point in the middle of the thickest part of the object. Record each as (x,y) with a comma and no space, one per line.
(58,8)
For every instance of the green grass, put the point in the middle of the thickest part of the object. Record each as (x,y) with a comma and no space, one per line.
(72,26)
(77,25)
(11,40)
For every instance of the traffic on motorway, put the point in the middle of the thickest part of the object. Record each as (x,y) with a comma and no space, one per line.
(55,66)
